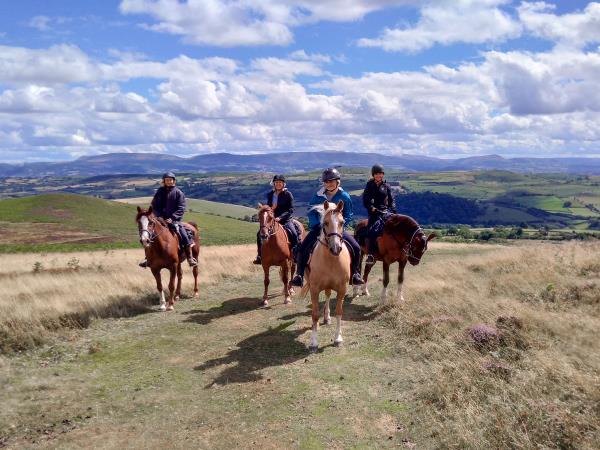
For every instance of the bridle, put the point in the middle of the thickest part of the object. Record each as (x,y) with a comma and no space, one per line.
(152,234)
(327,236)
(270,230)
(407,247)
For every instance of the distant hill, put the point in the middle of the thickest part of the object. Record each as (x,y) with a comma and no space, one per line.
(202,207)
(289,162)
(56,222)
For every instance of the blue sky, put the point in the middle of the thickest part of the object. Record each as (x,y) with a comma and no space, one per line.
(438,78)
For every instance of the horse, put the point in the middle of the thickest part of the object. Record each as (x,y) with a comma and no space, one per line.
(276,251)
(162,252)
(402,240)
(329,269)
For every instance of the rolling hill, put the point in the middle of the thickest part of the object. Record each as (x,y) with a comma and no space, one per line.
(62,222)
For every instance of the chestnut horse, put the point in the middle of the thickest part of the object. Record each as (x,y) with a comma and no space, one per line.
(276,251)
(162,252)
(402,240)
(329,269)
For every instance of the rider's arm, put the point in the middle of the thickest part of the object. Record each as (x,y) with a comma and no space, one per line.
(157,203)
(178,213)
(348,211)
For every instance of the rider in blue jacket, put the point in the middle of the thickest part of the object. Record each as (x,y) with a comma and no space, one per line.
(332,192)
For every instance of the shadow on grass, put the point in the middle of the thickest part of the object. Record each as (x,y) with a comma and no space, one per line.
(352,312)
(227,308)
(273,347)
(28,333)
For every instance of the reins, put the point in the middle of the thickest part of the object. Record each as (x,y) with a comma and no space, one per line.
(407,247)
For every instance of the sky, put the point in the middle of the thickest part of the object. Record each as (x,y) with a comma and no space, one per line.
(440,78)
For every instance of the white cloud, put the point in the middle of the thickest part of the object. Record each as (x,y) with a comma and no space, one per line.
(449,22)
(575,29)
(248,22)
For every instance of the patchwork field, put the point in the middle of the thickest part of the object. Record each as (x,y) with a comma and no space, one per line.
(494,347)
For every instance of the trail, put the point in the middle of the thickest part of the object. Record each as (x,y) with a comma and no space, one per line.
(219,372)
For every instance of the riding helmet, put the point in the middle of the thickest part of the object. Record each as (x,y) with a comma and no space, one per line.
(278,178)
(377,168)
(168,175)
(330,174)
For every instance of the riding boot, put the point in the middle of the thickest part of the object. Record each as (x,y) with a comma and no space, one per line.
(356,277)
(190,259)
(143,264)
(372,246)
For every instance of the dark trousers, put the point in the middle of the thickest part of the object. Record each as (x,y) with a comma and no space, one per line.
(375,229)
(184,239)
(307,245)
(291,230)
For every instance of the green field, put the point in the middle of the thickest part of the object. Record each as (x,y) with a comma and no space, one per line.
(65,222)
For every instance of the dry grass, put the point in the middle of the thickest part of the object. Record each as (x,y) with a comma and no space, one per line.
(44,293)
(504,347)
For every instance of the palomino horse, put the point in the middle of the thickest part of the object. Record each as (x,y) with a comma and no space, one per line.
(276,251)
(162,252)
(329,270)
(402,240)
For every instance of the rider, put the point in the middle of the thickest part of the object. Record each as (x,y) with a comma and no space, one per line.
(379,202)
(332,192)
(282,202)
(169,203)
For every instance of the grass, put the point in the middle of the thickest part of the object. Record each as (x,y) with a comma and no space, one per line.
(68,222)
(408,375)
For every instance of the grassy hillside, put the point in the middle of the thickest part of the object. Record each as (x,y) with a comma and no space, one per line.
(494,347)
(202,207)
(65,222)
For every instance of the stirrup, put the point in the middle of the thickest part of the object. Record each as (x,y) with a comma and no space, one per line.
(143,264)
(257,260)
(298,281)
(357,279)
(370,260)
(192,261)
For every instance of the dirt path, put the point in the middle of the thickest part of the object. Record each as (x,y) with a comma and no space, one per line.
(217,373)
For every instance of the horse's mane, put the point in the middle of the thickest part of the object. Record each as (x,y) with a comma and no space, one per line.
(320,209)
(264,208)
(398,223)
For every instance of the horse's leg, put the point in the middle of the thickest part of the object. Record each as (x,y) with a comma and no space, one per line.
(326,314)
(292,271)
(365,289)
(285,280)
(159,288)
(314,343)
(265,301)
(172,275)
(195,272)
(386,281)
(401,266)
(338,316)
(179,278)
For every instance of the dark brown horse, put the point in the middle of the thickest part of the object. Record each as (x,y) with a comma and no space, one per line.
(276,251)
(162,252)
(402,240)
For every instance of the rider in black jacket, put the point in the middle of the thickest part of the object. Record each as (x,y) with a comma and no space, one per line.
(282,202)
(379,202)
(169,203)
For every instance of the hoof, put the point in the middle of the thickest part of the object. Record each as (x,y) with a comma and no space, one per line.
(196,294)
(326,321)
(265,302)
(292,291)
(177,298)
(170,308)
(162,308)
(313,349)
(338,343)
(287,301)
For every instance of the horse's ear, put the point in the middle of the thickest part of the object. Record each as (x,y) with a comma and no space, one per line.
(431,236)
(260,205)
(326,205)
(340,205)
(139,209)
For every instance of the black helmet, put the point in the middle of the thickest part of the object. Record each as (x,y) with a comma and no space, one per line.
(377,168)
(330,174)
(278,178)
(168,175)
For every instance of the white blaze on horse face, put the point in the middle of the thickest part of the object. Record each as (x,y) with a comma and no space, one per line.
(144,233)
(332,235)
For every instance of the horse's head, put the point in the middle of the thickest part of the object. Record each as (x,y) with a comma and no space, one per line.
(417,246)
(146,223)
(266,219)
(332,225)
(410,237)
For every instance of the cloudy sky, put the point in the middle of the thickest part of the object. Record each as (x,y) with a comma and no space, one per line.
(441,78)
